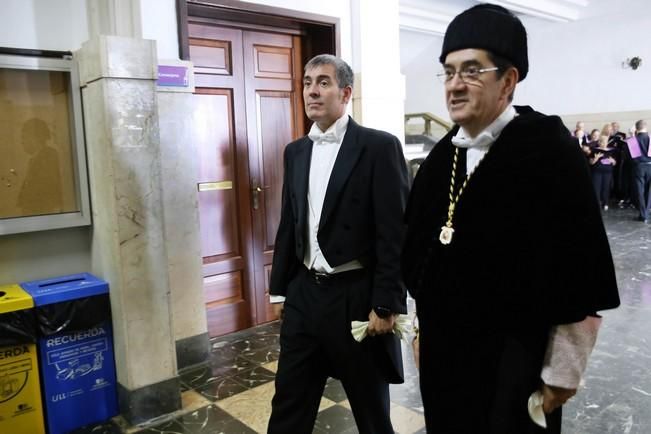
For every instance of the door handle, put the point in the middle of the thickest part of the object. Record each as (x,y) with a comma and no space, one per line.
(255,195)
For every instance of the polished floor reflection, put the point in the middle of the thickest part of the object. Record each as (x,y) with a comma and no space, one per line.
(232,395)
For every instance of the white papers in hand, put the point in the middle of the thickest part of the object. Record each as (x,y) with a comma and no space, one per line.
(536,412)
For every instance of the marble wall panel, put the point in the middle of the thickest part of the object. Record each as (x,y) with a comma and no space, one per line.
(133,123)
(179,161)
(104,243)
(117,57)
(128,227)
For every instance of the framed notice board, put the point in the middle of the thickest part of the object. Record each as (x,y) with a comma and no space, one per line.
(43,176)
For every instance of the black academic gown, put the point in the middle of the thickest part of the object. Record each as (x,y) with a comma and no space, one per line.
(529,251)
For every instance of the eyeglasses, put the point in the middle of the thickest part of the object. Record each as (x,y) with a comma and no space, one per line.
(469,74)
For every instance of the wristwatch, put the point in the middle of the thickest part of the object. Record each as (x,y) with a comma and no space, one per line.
(382,312)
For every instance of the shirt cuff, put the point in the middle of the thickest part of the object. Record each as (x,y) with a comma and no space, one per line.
(568,350)
(276,299)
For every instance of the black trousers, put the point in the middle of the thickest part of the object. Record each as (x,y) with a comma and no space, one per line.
(642,184)
(623,179)
(316,343)
(602,177)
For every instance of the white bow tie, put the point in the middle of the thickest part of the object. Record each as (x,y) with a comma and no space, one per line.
(323,137)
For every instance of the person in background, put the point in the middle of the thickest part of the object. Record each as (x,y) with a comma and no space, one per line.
(642,172)
(602,163)
(607,130)
(622,172)
(593,140)
(580,134)
(615,130)
(580,138)
(497,216)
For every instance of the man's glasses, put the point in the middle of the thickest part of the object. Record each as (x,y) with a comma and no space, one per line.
(469,74)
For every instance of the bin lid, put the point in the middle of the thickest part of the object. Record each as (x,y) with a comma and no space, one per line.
(65,288)
(13,298)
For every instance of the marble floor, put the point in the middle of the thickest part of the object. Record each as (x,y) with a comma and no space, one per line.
(232,395)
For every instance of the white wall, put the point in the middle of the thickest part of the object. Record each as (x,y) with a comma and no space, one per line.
(159,23)
(379,90)
(577,67)
(43,24)
(419,64)
(38,255)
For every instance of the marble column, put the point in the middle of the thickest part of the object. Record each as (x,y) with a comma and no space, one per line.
(379,91)
(128,237)
(180,166)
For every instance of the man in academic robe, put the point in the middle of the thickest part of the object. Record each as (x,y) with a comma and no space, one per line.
(337,260)
(505,253)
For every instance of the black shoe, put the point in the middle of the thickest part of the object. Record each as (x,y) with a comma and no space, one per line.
(641,219)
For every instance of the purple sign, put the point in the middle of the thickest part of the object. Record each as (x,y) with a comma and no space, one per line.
(172,75)
(634,148)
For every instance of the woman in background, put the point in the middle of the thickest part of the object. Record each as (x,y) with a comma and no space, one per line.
(602,163)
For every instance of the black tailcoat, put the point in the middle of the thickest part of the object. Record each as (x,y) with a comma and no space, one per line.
(362,216)
(362,219)
(529,251)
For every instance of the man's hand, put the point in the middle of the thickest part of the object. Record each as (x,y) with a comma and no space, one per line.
(554,397)
(379,326)
(278,309)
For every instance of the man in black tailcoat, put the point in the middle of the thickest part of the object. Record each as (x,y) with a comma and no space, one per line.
(337,260)
(505,252)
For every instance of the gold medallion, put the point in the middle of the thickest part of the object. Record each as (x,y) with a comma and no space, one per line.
(446,235)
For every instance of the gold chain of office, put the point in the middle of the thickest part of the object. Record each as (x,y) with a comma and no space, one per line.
(447,231)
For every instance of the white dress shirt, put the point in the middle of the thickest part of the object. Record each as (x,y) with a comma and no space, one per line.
(324,154)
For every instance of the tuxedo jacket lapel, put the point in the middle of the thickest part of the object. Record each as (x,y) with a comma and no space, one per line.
(301,179)
(349,153)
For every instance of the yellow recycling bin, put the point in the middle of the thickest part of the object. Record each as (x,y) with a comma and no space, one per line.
(21,411)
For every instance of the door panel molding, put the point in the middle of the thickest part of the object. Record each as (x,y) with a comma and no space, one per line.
(276,126)
(211,56)
(272,62)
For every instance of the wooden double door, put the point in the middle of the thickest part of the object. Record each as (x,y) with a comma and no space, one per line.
(247,106)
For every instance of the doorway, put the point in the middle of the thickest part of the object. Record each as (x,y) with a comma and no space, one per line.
(247,107)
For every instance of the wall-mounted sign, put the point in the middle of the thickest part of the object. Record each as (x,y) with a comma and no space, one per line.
(169,75)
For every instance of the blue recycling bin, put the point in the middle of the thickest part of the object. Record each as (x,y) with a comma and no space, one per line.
(75,346)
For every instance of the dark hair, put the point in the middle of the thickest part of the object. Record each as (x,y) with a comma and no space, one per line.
(343,71)
(640,125)
(503,64)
